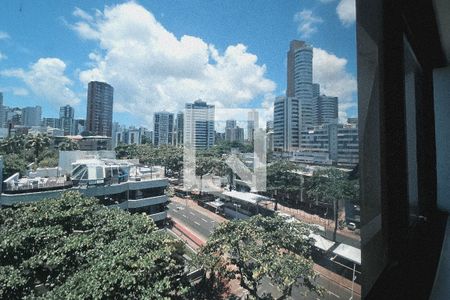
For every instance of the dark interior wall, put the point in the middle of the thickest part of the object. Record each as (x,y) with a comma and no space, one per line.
(388,234)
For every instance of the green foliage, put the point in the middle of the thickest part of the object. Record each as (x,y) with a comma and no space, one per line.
(261,247)
(68,145)
(13,163)
(74,248)
(332,186)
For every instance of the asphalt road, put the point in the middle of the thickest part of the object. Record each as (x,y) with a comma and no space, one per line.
(195,220)
(204,226)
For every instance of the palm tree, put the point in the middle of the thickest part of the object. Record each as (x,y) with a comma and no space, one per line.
(37,143)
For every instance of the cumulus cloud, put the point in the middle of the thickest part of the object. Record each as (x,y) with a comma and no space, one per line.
(307,22)
(46,79)
(151,69)
(4,35)
(330,71)
(346,11)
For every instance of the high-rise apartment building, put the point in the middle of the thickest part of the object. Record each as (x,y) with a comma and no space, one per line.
(252,124)
(235,134)
(51,122)
(325,110)
(2,112)
(66,116)
(179,128)
(199,125)
(230,124)
(286,124)
(99,108)
(163,128)
(31,116)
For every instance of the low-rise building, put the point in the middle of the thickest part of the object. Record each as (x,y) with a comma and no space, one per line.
(116,183)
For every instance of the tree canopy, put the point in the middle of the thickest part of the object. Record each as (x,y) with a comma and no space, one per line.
(74,248)
(261,247)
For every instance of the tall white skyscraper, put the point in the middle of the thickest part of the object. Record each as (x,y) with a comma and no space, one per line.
(252,124)
(199,125)
(163,128)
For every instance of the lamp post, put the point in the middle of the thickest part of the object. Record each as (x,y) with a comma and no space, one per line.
(353,280)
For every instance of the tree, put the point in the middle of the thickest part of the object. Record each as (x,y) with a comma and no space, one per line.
(37,143)
(74,248)
(331,186)
(261,247)
(283,181)
(14,163)
(68,145)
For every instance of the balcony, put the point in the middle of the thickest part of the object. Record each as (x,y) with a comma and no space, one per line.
(137,203)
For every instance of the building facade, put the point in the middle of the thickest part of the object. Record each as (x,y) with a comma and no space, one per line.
(66,116)
(99,108)
(325,110)
(163,123)
(179,129)
(31,116)
(199,125)
(286,124)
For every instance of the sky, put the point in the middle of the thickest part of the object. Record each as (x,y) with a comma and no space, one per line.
(158,55)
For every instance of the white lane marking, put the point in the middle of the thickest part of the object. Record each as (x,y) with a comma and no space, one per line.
(331,293)
(270,283)
(192,213)
(184,215)
(204,220)
(197,223)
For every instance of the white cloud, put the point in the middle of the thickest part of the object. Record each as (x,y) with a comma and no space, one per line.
(346,11)
(3,56)
(307,22)
(330,71)
(151,69)
(46,79)
(4,35)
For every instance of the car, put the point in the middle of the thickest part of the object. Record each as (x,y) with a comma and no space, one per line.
(351,226)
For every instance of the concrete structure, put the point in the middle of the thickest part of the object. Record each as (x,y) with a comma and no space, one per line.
(252,124)
(31,116)
(199,125)
(116,183)
(163,123)
(230,124)
(92,143)
(179,129)
(99,108)
(234,134)
(286,124)
(66,116)
(51,122)
(325,110)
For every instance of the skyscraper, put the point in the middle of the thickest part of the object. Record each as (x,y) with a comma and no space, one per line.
(163,128)
(31,116)
(230,124)
(199,125)
(66,116)
(286,124)
(252,124)
(325,110)
(99,108)
(299,79)
(180,128)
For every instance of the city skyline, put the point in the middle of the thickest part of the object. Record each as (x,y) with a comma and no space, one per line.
(262,65)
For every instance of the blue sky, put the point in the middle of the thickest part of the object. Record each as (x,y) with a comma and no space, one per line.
(233,52)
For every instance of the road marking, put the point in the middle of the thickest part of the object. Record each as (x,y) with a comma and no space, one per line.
(184,215)
(270,283)
(331,293)
(192,213)
(204,220)
(197,223)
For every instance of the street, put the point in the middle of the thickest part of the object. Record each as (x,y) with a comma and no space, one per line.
(192,218)
(203,225)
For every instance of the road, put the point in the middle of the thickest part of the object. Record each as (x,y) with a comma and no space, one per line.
(204,226)
(195,220)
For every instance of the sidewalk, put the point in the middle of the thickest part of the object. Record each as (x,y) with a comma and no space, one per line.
(344,282)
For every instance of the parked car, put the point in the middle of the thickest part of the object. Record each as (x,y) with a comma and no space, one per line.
(351,226)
